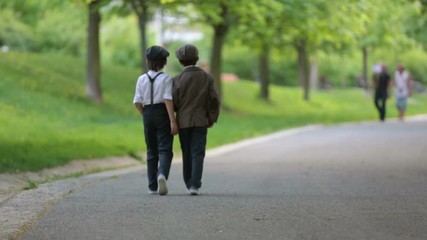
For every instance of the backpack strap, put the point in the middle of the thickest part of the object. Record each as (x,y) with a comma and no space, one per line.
(152,83)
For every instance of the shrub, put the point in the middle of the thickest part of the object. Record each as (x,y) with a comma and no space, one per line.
(243,62)
(62,31)
(14,33)
(415,62)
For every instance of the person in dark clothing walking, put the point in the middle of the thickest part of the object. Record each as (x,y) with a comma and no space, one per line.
(197,107)
(381,85)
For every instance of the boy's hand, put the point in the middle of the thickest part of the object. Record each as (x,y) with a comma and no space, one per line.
(174,128)
(140,108)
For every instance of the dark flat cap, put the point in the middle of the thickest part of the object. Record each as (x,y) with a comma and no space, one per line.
(187,52)
(156,52)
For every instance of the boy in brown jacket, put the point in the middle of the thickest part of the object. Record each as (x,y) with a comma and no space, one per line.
(197,105)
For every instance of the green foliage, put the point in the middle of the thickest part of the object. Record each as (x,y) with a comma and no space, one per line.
(416,25)
(46,120)
(119,49)
(14,33)
(260,23)
(69,38)
(31,185)
(415,62)
(242,61)
(51,27)
(283,71)
(244,67)
(413,59)
(339,70)
(28,11)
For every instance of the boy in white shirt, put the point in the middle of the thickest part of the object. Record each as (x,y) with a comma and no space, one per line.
(153,99)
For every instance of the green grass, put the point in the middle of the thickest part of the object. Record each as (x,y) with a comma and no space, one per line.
(46,120)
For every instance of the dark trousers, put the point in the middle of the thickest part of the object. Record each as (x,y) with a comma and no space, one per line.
(380,103)
(193,145)
(159,141)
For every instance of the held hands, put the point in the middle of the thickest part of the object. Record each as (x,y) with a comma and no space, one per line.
(174,128)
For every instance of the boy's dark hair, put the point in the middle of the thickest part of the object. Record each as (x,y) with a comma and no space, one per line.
(189,62)
(156,64)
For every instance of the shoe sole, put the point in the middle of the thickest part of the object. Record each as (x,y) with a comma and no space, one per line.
(194,193)
(163,190)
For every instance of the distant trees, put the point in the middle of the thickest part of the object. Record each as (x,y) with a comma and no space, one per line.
(218,15)
(416,27)
(220,28)
(141,9)
(270,28)
(375,25)
(260,27)
(307,26)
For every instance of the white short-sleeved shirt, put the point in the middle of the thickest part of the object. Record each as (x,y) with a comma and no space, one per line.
(401,80)
(162,88)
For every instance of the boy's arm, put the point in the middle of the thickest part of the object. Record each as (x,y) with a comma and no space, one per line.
(390,83)
(140,107)
(137,98)
(174,125)
(213,104)
(375,81)
(175,94)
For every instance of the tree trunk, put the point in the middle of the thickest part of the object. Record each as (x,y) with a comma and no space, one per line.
(314,75)
(93,79)
(141,11)
(303,68)
(264,71)
(365,67)
(160,32)
(143,40)
(220,31)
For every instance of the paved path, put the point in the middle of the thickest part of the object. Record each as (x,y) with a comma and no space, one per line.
(362,181)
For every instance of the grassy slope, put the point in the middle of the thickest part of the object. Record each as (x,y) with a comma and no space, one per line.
(45,119)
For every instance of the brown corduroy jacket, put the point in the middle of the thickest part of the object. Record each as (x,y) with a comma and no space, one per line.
(195,98)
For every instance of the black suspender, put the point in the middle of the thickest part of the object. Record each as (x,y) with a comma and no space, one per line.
(152,83)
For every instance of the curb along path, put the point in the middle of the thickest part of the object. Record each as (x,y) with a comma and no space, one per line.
(11,184)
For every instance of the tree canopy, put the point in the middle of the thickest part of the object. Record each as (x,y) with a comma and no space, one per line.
(292,31)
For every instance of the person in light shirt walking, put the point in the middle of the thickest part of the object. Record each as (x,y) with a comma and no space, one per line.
(403,85)
(153,99)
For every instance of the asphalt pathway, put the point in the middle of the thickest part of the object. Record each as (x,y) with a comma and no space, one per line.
(353,181)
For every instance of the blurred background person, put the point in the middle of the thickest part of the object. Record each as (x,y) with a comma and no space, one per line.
(403,84)
(381,85)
